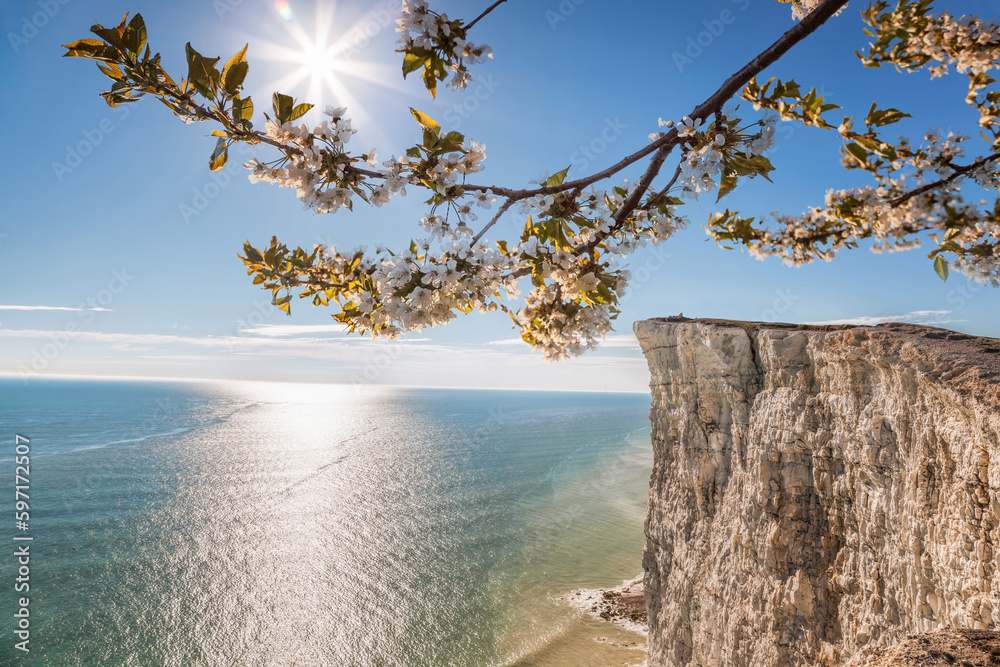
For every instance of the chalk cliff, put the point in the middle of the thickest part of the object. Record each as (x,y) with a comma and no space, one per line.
(816,490)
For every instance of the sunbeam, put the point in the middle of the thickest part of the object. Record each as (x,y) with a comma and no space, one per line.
(322,54)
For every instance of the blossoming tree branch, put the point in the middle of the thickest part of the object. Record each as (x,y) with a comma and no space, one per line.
(576,231)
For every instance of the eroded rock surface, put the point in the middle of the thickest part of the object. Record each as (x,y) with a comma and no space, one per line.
(818,489)
(943,648)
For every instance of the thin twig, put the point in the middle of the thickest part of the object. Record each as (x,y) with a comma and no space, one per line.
(647,178)
(661,146)
(503,209)
(733,84)
(959,171)
(666,188)
(640,189)
(664,144)
(490,9)
(581,183)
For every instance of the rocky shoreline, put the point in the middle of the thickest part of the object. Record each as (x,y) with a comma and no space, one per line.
(623,605)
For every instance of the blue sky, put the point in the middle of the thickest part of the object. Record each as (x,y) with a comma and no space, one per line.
(119,246)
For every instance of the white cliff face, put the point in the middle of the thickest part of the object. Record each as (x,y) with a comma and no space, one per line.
(818,489)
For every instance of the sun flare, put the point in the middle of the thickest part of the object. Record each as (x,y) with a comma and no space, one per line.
(322,57)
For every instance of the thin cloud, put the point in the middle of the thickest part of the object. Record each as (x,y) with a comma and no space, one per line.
(258,346)
(293,329)
(343,359)
(506,341)
(77,310)
(182,357)
(621,340)
(614,340)
(166,339)
(233,343)
(928,317)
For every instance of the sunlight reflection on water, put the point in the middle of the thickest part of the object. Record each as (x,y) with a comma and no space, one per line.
(321,525)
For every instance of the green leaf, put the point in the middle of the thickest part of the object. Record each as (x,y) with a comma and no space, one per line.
(726,186)
(134,36)
(606,294)
(300,110)
(941,267)
(729,226)
(426,121)
(219,155)
(868,143)
(753,166)
(557,179)
(878,118)
(412,62)
(451,142)
(858,152)
(235,71)
(242,109)
(282,105)
(536,277)
(112,71)
(253,255)
(430,81)
(528,229)
(890,116)
(83,48)
(202,75)
(112,36)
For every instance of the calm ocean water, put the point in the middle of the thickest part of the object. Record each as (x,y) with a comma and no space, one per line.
(277,524)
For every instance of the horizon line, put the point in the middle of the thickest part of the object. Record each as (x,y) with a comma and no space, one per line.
(151,378)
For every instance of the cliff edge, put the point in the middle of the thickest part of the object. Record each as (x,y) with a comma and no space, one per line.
(816,490)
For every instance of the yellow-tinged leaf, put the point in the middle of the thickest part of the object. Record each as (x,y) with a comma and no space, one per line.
(83,44)
(412,62)
(85,48)
(237,58)
(112,71)
(219,156)
(426,121)
(726,186)
(941,267)
(557,179)
(430,81)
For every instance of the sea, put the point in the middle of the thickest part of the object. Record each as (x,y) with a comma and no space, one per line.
(243,523)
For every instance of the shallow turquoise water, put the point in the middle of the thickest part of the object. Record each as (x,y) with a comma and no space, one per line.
(271,524)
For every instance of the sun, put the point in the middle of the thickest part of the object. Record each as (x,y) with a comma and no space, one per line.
(322,58)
